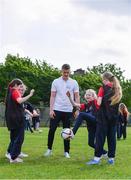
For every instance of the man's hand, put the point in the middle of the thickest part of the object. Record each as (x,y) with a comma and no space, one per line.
(52,114)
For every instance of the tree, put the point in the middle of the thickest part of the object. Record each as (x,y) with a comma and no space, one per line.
(101,68)
(38,75)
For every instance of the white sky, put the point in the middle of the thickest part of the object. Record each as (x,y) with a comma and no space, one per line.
(79,32)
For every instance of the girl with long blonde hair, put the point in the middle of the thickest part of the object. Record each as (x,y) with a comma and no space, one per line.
(109,96)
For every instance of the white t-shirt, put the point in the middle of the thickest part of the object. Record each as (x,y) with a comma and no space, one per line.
(60,86)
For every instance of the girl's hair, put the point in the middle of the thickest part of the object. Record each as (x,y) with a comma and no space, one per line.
(23,89)
(15,82)
(91,92)
(123,109)
(11,85)
(116,87)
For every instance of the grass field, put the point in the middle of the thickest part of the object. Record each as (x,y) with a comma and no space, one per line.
(36,166)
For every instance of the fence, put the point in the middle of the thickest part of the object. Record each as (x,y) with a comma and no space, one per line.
(44,116)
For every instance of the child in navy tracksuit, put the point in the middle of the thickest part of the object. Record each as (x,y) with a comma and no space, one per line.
(122,119)
(14,114)
(109,96)
(89,111)
(28,116)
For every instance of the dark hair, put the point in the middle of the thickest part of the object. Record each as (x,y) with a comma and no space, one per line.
(15,81)
(65,66)
(11,85)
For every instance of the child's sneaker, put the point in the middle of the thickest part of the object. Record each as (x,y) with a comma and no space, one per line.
(48,153)
(7,155)
(66,154)
(111,161)
(22,155)
(105,156)
(17,160)
(93,162)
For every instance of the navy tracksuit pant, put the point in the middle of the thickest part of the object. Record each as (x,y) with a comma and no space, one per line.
(103,131)
(16,141)
(65,117)
(91,126)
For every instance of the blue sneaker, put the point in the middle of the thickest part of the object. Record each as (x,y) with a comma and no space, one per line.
(93,162)
(111,161)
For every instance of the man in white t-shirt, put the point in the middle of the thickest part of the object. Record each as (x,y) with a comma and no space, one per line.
(60,106)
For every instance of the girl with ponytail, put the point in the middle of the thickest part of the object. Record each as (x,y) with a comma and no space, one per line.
(109,96)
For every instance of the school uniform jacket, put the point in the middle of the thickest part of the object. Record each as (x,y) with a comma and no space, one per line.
(14,113)
(108,113)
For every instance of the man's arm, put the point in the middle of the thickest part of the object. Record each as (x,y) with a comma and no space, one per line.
(52,101)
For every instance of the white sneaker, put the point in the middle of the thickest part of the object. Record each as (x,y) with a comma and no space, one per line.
(7,155)
(104,156)
(48,153)
(66,154)
(22,155)
(17,160)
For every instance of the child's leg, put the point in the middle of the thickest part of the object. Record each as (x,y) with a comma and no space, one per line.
(83,116)
(101,132)
(124,131)
(18,138)
(37,125)
(91,136)
(78,122)
(29,126)
(111,140)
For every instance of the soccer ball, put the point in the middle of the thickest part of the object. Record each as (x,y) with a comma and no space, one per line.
(66,133)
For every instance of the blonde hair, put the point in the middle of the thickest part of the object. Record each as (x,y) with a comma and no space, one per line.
(91,92)
(123,109)
(23,89)
(116,87)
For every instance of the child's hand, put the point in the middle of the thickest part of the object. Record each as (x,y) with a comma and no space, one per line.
(32,92)
(76,113)
(68,94)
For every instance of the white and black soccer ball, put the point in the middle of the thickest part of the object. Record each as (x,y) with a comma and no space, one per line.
(66,133)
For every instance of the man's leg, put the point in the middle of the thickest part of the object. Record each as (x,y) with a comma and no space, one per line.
(53,126)
(66,118)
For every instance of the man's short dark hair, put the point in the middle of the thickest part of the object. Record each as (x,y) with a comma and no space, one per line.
(66,66)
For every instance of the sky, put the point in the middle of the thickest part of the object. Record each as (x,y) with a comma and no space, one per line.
(82,33)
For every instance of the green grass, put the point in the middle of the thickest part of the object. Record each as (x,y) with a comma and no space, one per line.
(36,166)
